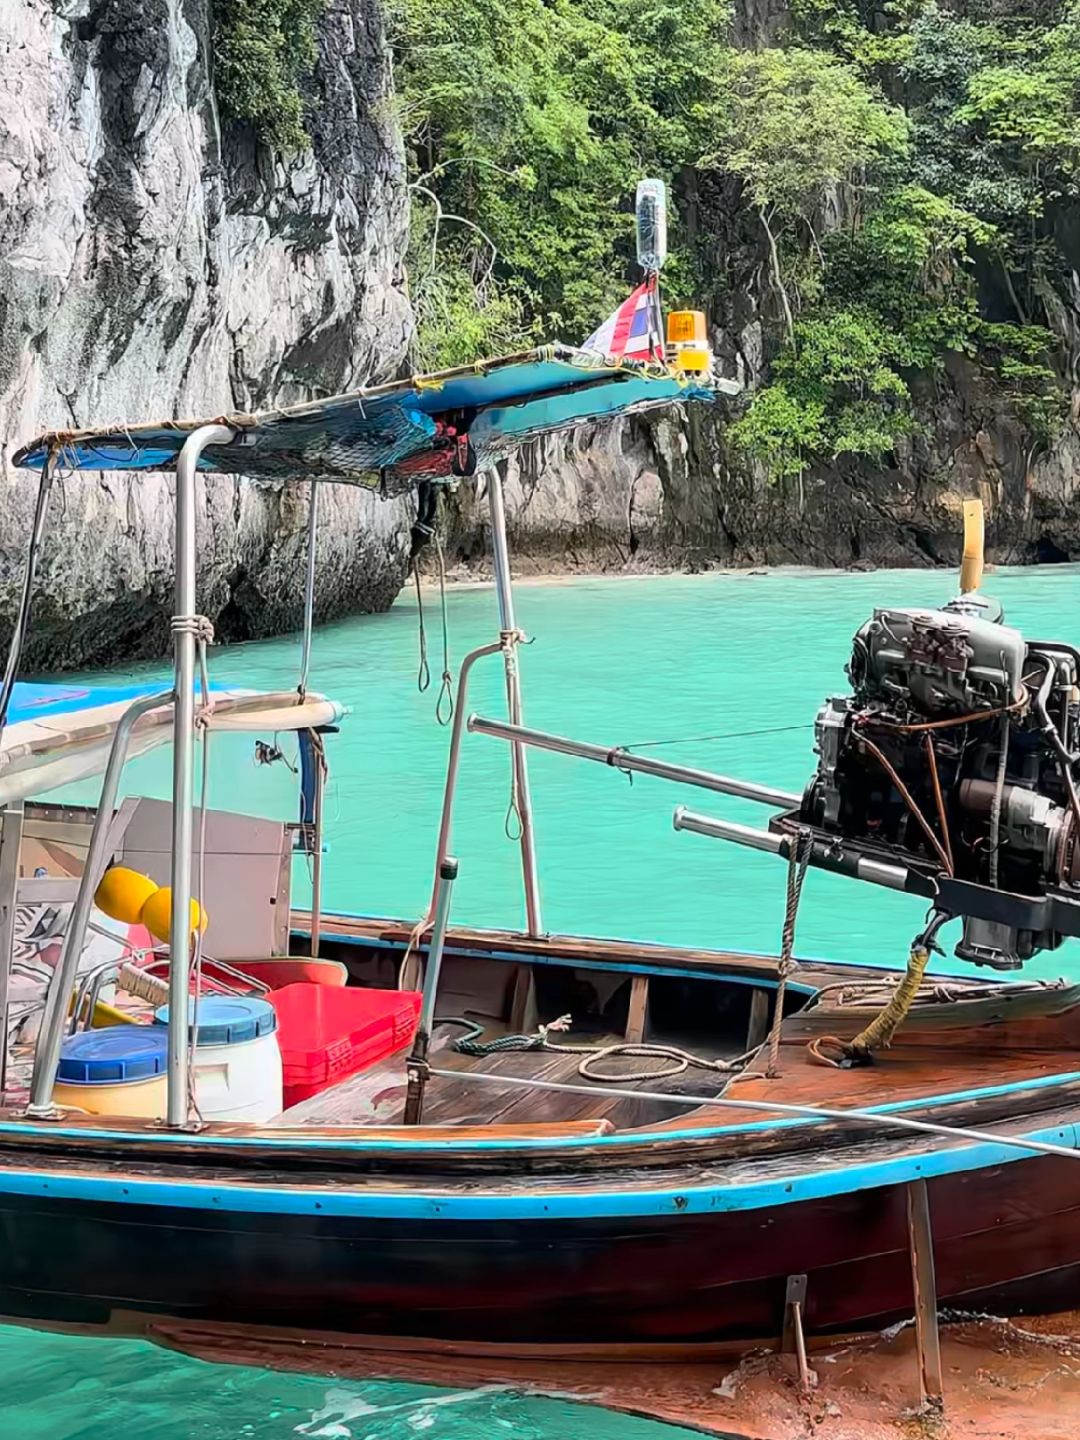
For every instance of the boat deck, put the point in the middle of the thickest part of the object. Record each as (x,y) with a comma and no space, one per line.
(377,1096)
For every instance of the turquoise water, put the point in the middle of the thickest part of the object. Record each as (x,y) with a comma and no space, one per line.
(617,662)
(60,1387)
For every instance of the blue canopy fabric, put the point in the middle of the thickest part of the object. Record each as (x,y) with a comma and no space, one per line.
(45,702)
(394,436)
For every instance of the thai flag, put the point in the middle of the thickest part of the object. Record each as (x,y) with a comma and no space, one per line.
(634,331)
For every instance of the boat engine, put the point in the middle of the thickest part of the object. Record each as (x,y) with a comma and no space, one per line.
(949,771)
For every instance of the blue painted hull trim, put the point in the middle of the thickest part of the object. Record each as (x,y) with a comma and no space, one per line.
(688,1200)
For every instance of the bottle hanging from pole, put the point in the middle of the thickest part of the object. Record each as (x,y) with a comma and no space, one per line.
(650,211)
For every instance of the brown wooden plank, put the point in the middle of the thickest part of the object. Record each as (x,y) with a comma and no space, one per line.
(758,1027)
(637,1017)
(928,1341)
(523,1001)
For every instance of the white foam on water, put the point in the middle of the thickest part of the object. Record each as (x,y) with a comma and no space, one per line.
(340,1406)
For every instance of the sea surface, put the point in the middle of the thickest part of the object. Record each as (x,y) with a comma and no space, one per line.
(724,672)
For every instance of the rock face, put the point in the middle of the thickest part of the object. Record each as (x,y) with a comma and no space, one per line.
(152,264)
(667,492)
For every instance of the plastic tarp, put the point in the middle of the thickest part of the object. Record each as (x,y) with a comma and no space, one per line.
(393,436)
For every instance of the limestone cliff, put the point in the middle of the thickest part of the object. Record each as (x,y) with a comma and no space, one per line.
(153,263)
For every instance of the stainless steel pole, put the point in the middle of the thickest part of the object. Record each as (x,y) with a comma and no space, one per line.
(717,829)
(446,819)
(520,735)
(823,856)
(448,872)
(500,555)
(316,847)
(417,1069)
(184,634)
(10,842)
(47,1051)
(309,590)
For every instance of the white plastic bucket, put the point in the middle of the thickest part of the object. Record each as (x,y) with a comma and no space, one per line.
(239,1082)
(237,1063)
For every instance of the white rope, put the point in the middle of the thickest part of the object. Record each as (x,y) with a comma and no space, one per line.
(771,1107)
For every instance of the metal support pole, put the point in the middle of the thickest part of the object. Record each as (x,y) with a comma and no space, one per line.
(317,848)
(10,842)
(309,591)
(417,1067)
(47,1052)
(520,735)
(500,555)
(184,765)
(453,760)
(927,1339)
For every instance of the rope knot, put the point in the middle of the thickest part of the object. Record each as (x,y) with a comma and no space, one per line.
(198,625)
(556,1027)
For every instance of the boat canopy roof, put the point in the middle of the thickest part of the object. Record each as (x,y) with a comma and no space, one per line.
(59,733)
(393,436)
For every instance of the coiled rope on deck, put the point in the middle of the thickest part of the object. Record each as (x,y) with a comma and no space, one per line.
(592,1056)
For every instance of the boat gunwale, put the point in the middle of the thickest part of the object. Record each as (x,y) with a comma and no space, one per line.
(700,1193)
(653,1148)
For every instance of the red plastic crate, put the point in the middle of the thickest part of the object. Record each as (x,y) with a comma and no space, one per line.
(326,1033)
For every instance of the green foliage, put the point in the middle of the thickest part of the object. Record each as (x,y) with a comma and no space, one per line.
(534,121)
(1029,105)
(797,121)
(898,164)
(262,48)
(1020,356)
(781,429)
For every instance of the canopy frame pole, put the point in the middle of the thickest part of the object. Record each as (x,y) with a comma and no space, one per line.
(309,589)
(47,1050)
(185,626)
(317,846)
(10,843)
(510,637)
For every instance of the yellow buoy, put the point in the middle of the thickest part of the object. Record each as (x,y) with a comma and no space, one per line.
(123,893)
(156,914)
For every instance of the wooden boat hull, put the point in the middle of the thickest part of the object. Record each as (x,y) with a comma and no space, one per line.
(1005,1238)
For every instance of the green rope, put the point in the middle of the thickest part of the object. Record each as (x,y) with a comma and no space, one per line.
(470,1045)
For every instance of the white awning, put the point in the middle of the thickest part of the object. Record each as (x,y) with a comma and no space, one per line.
(57,734)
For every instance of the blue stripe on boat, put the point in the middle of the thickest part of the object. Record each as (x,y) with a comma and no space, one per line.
(686,1200)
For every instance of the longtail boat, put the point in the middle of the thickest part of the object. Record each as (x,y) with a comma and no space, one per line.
(721,1148)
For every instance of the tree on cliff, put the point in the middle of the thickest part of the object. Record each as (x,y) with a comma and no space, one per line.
(908,169)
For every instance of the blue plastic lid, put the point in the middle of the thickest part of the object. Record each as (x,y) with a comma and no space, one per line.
(227,1019)
(112,1055)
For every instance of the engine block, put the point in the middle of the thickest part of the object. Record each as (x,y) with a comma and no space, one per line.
(954,757)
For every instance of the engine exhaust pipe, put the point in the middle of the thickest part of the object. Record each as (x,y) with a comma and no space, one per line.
(824,855)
